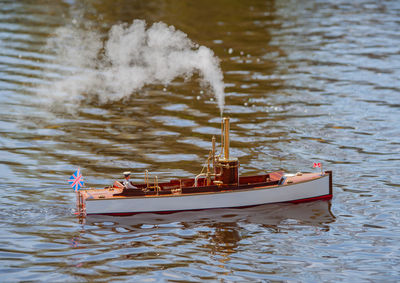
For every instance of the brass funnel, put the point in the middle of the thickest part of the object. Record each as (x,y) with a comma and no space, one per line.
(226,139)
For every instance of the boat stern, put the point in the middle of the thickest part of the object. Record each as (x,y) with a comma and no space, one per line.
(322,191)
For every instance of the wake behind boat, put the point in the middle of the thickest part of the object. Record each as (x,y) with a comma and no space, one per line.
(219,187)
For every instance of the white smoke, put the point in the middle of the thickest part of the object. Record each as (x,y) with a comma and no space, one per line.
(132,57)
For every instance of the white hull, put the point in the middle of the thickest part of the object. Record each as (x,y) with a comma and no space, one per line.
(302,191)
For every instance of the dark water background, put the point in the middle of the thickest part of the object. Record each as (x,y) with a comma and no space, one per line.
(306,81)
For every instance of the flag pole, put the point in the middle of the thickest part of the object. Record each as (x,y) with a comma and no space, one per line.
(78,203)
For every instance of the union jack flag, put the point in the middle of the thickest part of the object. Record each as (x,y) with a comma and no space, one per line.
(76,180)
(315,165)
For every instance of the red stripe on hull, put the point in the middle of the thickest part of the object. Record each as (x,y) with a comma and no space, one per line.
(325,197)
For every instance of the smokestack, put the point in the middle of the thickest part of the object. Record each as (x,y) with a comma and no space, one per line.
(227,170)
(226,139)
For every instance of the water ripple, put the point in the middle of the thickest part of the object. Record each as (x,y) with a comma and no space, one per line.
(305,82)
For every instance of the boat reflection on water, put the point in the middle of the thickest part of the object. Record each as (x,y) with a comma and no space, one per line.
(317,213)
(209,240)
(221,230)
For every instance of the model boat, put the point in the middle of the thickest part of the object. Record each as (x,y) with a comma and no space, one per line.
(218,186)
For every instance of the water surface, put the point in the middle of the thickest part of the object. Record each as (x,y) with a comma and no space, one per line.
(305,82)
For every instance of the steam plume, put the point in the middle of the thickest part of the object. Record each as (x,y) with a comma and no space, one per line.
(132,57)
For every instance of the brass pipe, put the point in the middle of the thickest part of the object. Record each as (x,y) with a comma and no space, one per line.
(208,170)
(146,178)
(222,137)
(226,139)
(208,163)
(213,153)
(197,177)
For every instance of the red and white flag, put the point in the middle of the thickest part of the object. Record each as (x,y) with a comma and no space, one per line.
(317,165)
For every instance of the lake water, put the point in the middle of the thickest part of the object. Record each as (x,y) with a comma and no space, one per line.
(305,81)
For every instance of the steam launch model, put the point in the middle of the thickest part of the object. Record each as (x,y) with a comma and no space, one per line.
(219,187)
